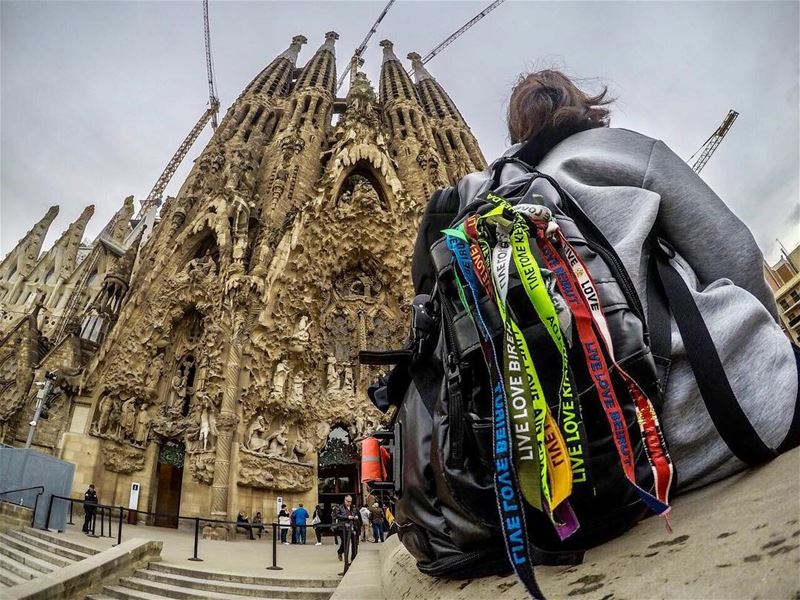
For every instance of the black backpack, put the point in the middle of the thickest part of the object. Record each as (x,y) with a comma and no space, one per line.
(461,504)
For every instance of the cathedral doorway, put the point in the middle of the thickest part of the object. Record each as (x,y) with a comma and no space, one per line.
(169,478)
(339,476)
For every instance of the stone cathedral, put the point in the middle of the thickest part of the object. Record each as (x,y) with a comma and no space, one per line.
(212,359)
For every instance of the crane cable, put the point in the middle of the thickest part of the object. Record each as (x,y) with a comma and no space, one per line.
(213,99)
(458,33)
(363,45)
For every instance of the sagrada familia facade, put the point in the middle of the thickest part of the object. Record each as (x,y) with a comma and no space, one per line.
(224,342)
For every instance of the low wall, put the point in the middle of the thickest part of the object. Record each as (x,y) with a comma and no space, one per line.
(90,574)
(739,538)
(13,516)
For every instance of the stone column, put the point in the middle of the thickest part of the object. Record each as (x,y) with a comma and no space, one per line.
(242,294)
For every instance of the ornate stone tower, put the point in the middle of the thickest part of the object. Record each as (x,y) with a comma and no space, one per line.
(221,357)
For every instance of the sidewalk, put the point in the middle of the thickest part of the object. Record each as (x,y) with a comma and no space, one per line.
(240,556)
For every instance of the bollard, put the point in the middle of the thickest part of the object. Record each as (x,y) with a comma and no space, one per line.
(49,510)
(70,512)
(119,528)
(196,536)
(275,566)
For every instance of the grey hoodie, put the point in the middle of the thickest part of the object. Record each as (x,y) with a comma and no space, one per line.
(629,183)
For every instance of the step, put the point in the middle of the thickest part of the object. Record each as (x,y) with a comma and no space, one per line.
(53,559)
(9,578)
(21,557)
(50,545)
(235,588)
(319,582)
(9,564)
(60,540)
(163,590)
(111,592)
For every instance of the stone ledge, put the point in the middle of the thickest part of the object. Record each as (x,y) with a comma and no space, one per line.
(738,538)
(363,579)
(79,578)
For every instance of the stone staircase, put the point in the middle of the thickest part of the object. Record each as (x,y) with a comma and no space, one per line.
(28,553)
(162,580)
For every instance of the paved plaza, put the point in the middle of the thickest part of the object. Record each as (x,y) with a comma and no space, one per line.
(240,556)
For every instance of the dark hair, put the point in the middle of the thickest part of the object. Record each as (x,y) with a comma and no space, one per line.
(548,106)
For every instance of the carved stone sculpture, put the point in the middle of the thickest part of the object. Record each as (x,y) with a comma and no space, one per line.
(142,426)
(276,442)
(300,335)
(279,380)
(255,438)
(128,418)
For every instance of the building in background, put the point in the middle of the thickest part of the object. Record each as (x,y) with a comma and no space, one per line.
(784,279)
(214,362)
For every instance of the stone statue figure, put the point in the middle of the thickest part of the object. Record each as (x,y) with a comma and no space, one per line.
(347,386)
(142,426)
(154,371)
(276,442)
(202,265)
(113,420)
(300,336)
(128,418)
(178,394)
(208,423)
(279,380)
(254,439)
(332,379)
(298,386)
(105,414)
(300,449)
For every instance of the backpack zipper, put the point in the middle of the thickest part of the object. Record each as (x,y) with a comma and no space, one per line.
(623,279)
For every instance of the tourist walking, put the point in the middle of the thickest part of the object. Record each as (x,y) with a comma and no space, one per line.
(300,518)
(285,522)
(376,518)
(89,509)
(349,520)
(364,511)
(316,522)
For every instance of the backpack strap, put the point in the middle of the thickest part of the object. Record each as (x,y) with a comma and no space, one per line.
(726,413)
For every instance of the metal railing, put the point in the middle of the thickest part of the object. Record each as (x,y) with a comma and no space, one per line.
(35,500)
(107,516)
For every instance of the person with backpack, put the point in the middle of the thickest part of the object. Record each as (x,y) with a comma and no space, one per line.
(89,509)
(592,334)
(285,522)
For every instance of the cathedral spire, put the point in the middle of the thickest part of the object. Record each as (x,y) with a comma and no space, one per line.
(320,71)
(276,78)
(64,252)
(435,100)
(119,225)
(395,84)
(20,261)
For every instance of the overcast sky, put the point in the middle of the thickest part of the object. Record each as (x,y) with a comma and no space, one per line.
(96,96)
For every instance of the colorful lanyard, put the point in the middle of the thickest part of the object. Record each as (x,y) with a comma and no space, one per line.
(580,292)
(507,485)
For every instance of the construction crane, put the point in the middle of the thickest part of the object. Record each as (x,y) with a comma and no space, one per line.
(712,143)
(363,46)
(153,200)
(213,99)
(457,34)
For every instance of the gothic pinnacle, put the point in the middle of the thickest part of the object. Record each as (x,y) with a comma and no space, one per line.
(293,50)
(330,41)
(388,51)
(420,72)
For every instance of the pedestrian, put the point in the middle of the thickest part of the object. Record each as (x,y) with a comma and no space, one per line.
(364,511)
(300,518)
(293,525)
(89,509)
(258,524)
(285,522)
(243,523)
(316,522)
(350,521)
(376,518)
